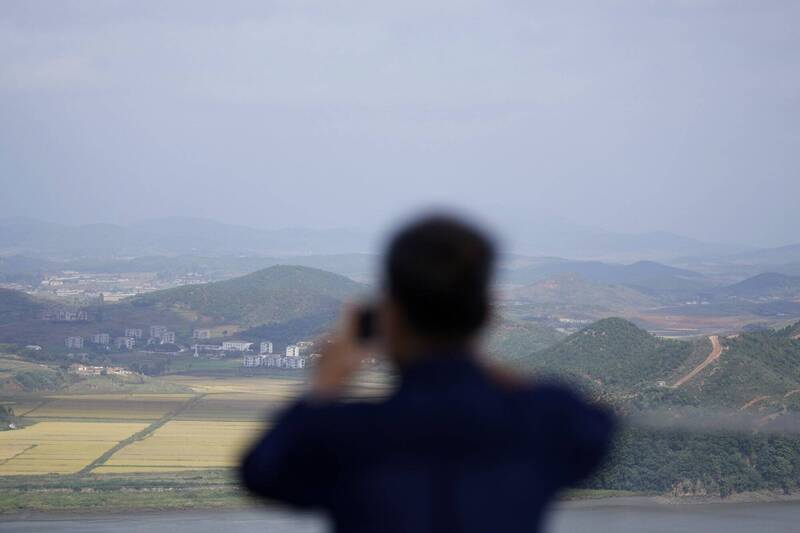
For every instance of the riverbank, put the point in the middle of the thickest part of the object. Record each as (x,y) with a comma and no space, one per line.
(88,501)
(616,515)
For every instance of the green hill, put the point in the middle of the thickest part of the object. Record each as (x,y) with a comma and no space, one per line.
(573,290)
(615,354)
(16,306)
(754,385)
(511,340)
(272,295)
(762,367)
(625,361)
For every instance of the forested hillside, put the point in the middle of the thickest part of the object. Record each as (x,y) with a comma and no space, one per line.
(511,340)
(16,306)
(668,443)
(274,294)
(762,367)
(683,463)
(616,354)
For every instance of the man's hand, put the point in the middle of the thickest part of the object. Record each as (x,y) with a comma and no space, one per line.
(340,358)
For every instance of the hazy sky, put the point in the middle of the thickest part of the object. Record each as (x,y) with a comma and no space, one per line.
(637,116)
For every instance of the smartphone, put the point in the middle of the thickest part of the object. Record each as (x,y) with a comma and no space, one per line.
(367,324)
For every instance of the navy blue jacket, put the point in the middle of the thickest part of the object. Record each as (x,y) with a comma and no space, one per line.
(450,451)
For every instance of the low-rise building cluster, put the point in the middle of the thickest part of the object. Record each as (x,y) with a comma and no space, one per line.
(66,316)
(74,342)
(294,357)
(158,335)
(201,334)
(89,370)
(273,361)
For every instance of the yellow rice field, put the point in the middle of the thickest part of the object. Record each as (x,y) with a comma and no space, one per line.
(186,445)
(72,430)
(59,447)
(268,386)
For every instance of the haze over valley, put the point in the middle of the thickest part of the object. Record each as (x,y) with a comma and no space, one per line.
(191,192)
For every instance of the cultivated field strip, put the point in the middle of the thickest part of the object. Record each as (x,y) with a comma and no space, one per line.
(77,408)
(144,433)
(141,433)
(59,447)
(186,445)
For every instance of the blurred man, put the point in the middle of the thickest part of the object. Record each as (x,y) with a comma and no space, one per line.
(458,447)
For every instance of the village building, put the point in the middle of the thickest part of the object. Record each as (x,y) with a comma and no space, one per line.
(85,370)
(236,346)
(118,371)
(74,342)
(125,342)
(292,350)
(277,361)
(101,338)
(134,333)
(201,334)
(251,361)
(67,316)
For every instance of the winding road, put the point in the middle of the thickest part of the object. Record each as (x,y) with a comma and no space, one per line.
(716,350)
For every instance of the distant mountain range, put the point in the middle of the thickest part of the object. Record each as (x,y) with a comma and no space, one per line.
(783,259)
(169,236)
(26,269)
(771,256)
(195,236)
(657,246)
(645,276)
(575,291)
(766,285)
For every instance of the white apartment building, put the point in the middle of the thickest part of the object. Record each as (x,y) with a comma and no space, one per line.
(85,370)
(208,347)
(236,346)
(157,331)
(277,361)
(74,342)
(125,342)
(134,333)
(266,347)
(168,337)
(292,350)
(251,361)
(68,316)
(118,370)
(101,338)
(201,334)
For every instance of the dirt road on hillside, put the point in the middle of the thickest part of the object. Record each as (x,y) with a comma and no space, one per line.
(716,350)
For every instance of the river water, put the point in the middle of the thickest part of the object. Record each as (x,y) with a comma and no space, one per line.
(595,517)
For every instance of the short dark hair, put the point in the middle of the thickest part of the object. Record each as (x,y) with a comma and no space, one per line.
(438,270)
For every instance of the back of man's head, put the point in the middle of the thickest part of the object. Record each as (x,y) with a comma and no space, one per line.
(438,271)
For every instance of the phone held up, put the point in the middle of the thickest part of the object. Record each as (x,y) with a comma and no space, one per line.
(367,323)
